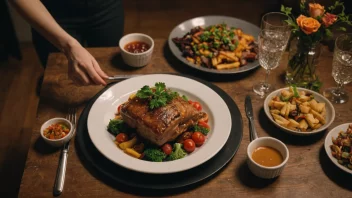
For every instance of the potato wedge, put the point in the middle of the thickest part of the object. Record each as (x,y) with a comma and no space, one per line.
(320,107)
(318,116)
(228,65)
(303,125)
(293,123)
(283,110)
(278,105)
(275,111)
(311,120)
(281,120)
(229,55)
(304,108)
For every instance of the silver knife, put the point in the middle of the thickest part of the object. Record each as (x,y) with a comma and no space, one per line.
(123,76)
(250,116)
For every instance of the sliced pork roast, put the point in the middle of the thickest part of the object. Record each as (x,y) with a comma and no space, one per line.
(162,124)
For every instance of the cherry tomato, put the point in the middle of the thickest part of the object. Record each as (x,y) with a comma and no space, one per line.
(197,106)
(189,145)
(203,124)
(167,149)
(121,137)
(198,138)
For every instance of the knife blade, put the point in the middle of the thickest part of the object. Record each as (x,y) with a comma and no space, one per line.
(123,76)
(249,112)
(248,107)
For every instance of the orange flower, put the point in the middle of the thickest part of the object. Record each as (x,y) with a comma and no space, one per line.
(308,25)
(315,10)
(328,19)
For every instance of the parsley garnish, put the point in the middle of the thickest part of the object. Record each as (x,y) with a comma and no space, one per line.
(203,130)
(159,96)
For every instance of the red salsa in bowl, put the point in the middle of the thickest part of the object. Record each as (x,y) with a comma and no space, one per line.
(56,131)
(137,47)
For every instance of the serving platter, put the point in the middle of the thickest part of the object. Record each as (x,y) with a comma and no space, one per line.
(106,170)
(334,133)
(204,21)
(104,109)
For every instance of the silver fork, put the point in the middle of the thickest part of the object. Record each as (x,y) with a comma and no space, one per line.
(61,170)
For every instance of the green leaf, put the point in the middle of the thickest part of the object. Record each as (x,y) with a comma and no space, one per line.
(328,33)
(144,92)
(185,98)
(342,29)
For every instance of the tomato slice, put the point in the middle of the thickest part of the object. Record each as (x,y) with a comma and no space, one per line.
(203,124)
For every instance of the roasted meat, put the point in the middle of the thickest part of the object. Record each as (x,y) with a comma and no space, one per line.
(162,124)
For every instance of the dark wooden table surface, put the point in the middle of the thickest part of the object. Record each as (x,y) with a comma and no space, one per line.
(309,172)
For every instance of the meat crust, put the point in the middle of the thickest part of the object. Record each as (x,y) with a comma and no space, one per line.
(162,124)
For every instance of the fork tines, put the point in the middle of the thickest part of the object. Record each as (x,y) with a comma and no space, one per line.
(71,116)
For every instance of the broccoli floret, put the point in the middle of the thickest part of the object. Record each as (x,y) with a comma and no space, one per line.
(201,129)
(116,126)
(154,155)
(177,152)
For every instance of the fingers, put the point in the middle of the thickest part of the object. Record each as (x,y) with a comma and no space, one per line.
(98,69)
(78,76)
(93,74)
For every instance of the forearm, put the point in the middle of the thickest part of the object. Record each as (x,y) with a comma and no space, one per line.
(41,20)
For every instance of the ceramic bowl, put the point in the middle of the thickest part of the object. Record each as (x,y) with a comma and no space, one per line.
(57,142)
(330,111)
(334,133)
(136,59)
(265,171)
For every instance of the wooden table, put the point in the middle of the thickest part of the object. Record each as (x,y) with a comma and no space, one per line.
(309,172)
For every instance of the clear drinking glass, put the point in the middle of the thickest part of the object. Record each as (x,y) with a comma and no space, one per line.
(341,69)
(272,42)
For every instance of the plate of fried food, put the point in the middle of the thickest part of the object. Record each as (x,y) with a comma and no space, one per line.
(216,44)
(159,123)
(299,111)
(338,146)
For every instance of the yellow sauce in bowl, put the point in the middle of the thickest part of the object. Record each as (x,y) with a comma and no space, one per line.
(267,156)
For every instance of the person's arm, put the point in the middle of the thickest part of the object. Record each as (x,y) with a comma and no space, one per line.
(83,68)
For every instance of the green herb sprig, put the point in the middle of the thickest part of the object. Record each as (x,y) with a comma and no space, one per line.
(158,96)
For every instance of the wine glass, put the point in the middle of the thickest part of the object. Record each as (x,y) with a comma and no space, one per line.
(272,42)
(341,69)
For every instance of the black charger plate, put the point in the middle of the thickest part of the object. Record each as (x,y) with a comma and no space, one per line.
(90,154)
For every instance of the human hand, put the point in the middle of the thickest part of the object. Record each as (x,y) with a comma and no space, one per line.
(83,69)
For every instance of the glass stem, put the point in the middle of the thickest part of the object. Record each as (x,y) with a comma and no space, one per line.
(339,89)
(266,84)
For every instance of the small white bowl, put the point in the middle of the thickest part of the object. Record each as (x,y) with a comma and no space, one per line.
(265,171)
(328,141)
(57,142)
(330,111)
(136,59)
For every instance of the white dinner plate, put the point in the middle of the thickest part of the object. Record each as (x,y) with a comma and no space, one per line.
(328,141)
(105,107)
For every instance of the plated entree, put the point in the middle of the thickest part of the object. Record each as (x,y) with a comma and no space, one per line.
(217,46)
(158,124)
(341,148)
(297,110)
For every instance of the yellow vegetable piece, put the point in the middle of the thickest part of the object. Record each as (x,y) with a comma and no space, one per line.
(132,153)
(129,144)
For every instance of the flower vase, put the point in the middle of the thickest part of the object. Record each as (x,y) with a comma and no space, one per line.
(302,62)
